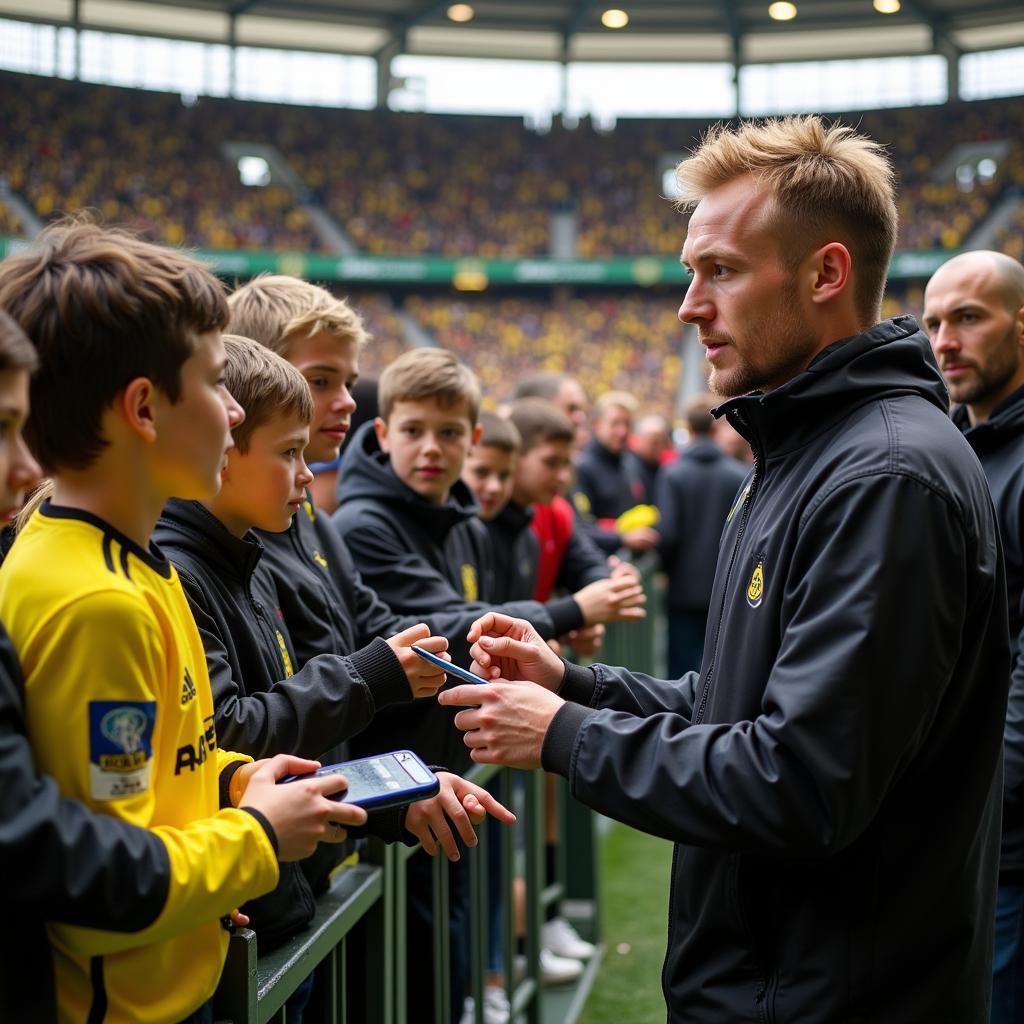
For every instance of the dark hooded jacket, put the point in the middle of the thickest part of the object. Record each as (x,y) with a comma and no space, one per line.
(265,701)
(609,480)
(431,562)
(695,494)
(515,549)
(999,444)
(326,605)
(832,777)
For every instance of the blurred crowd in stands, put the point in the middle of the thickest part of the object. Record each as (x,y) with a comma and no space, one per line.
(620,342)
(426,183)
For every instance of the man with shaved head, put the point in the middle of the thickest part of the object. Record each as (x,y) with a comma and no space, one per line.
(974,315)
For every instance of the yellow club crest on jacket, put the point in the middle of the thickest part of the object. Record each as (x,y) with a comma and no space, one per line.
(755,588)
(470,590)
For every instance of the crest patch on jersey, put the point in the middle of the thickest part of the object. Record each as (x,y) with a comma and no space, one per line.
(120,747)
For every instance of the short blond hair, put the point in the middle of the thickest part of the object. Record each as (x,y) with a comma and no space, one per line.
(264,385)
(827,183)
(429,373)
(275,309)
(616,400)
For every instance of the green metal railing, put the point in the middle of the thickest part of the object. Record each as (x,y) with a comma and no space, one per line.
(366,903)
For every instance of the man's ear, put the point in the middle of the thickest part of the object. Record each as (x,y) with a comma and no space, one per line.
(381,428)
(137,407)
(831,268)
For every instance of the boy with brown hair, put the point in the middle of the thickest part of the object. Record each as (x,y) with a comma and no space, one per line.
(129,408)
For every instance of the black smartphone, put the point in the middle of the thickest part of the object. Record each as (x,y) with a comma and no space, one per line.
(460,673)
(384,780)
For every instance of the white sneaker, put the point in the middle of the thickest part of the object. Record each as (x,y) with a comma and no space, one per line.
(496,1007)
(562,939)
(558,970)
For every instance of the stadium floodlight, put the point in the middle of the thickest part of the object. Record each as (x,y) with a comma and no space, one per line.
(782,11)
(886,6)
(461,12)
(614,18)
(254,171)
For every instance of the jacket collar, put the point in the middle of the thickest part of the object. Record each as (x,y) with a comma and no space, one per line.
(891,359)
(598,450)
(193,525)
(1005,423)
(513,518)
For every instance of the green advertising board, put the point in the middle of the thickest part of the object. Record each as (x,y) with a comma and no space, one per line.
(478,274)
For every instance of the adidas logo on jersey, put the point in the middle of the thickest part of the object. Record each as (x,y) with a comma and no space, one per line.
(188,689)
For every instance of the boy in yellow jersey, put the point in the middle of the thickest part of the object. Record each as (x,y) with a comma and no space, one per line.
(128,410)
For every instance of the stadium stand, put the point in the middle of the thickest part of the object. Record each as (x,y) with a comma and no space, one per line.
(626,342)
(416,183)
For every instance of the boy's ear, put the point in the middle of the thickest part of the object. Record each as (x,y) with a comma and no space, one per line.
(477,431)
(137,407)
(381,428)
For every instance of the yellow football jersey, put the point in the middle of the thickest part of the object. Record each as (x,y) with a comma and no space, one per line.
(120,713)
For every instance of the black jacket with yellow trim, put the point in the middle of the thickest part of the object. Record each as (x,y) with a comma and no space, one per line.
(267,703)
(832,777)
(326,606)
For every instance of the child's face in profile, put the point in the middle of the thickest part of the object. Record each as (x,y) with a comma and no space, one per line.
(331,368)
(489,473)
(543,472)
(428,444)
(265,486)
(18,470)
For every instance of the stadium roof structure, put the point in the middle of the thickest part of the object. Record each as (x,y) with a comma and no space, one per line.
(735,31)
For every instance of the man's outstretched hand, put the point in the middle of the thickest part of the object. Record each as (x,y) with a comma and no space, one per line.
(505,722)
(508,648)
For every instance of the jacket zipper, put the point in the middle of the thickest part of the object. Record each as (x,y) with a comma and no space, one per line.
(747,504)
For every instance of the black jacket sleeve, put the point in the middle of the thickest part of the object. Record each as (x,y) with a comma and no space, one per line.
(583,562)
(61,861)
(847,704)
(325,702)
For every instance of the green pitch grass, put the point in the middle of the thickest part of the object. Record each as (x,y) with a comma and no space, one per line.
(634,907)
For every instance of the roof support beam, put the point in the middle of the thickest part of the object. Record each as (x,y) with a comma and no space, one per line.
(398,30)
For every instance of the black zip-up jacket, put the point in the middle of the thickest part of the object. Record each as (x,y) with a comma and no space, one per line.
(431,562)
(694,496)
(999,444)
(606,478)
(326,605)
(515,551)
(265,701)
(832,776)
(61,862)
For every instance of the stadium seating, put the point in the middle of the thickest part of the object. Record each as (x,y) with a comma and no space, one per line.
(403,183)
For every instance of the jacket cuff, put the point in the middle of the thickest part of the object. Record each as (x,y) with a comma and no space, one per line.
(379,667)
(560,742)
(267,827)
(578,684)
(224,781)
(565,614)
